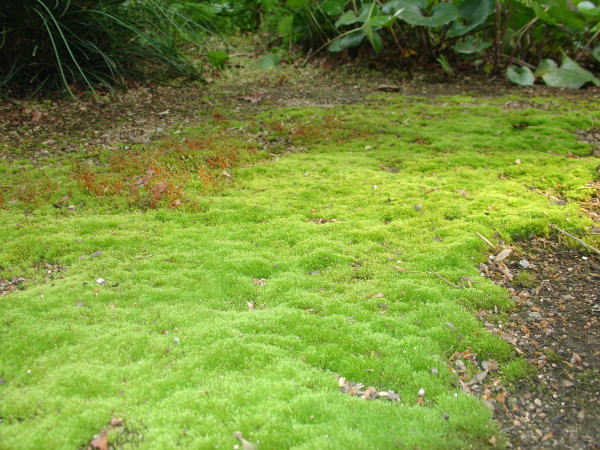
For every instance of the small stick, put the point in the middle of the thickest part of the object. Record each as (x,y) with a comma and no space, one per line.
(445,280)
(586,245)
(484,239)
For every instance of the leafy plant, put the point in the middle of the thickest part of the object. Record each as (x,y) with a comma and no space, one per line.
(483,35)
(87,43)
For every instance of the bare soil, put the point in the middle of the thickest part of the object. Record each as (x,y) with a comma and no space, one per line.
(555,326)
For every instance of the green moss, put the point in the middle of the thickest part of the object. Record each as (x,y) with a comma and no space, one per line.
(518,369)
(552,356)
(76,352)
(525,279)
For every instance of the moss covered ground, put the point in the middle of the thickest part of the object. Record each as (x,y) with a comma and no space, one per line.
(248,263)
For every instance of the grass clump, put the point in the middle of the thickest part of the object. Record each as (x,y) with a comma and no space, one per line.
(519,369)
(75,44)
(332,250)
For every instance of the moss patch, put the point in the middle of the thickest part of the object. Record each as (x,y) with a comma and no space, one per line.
(333,243)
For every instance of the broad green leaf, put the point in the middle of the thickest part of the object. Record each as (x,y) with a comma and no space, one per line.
(559,10)
(394,6)
(569,75)
(285,26)
(373,38)
(520,75)
(270,60)
(333,7)
(474,13)
(541,14)
(217,58)
(596,53)
(588,9)
(349,40)
(380,21)
(471,46)
(297,3)
(415,12)
(348,18)
(545,66)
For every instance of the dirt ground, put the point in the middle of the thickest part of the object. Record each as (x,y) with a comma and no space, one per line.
(37,128)
(555,325)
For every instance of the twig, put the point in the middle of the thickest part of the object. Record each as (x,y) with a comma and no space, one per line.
(445,280)
(484,239)
(519,61)
(586,245)
(587,44)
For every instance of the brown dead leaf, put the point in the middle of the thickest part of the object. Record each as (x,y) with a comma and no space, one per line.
(101,442)
(252,98)
(477,378)
(250,305)
(370,393)
(491,365)
(259,281)
(501,397)
(36,116)
(503,254)
(246,445)
(116,422)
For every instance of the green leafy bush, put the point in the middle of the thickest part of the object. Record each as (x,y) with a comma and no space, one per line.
(70,43)
(485,35)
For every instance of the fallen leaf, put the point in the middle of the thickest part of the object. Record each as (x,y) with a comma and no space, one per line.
(504,253)
(477,378)
(36,116)
(370,393)
(101,442)
(246,445)
(491,365)
(250,305)
(252,98)
(116,422)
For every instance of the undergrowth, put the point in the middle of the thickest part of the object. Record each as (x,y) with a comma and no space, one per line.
(312,259)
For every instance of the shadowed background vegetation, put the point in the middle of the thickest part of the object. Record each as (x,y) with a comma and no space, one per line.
(90,43)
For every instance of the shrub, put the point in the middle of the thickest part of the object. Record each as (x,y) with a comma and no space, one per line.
(486,35)
(72,43)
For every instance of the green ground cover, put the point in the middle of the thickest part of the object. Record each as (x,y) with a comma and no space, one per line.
(331,243)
